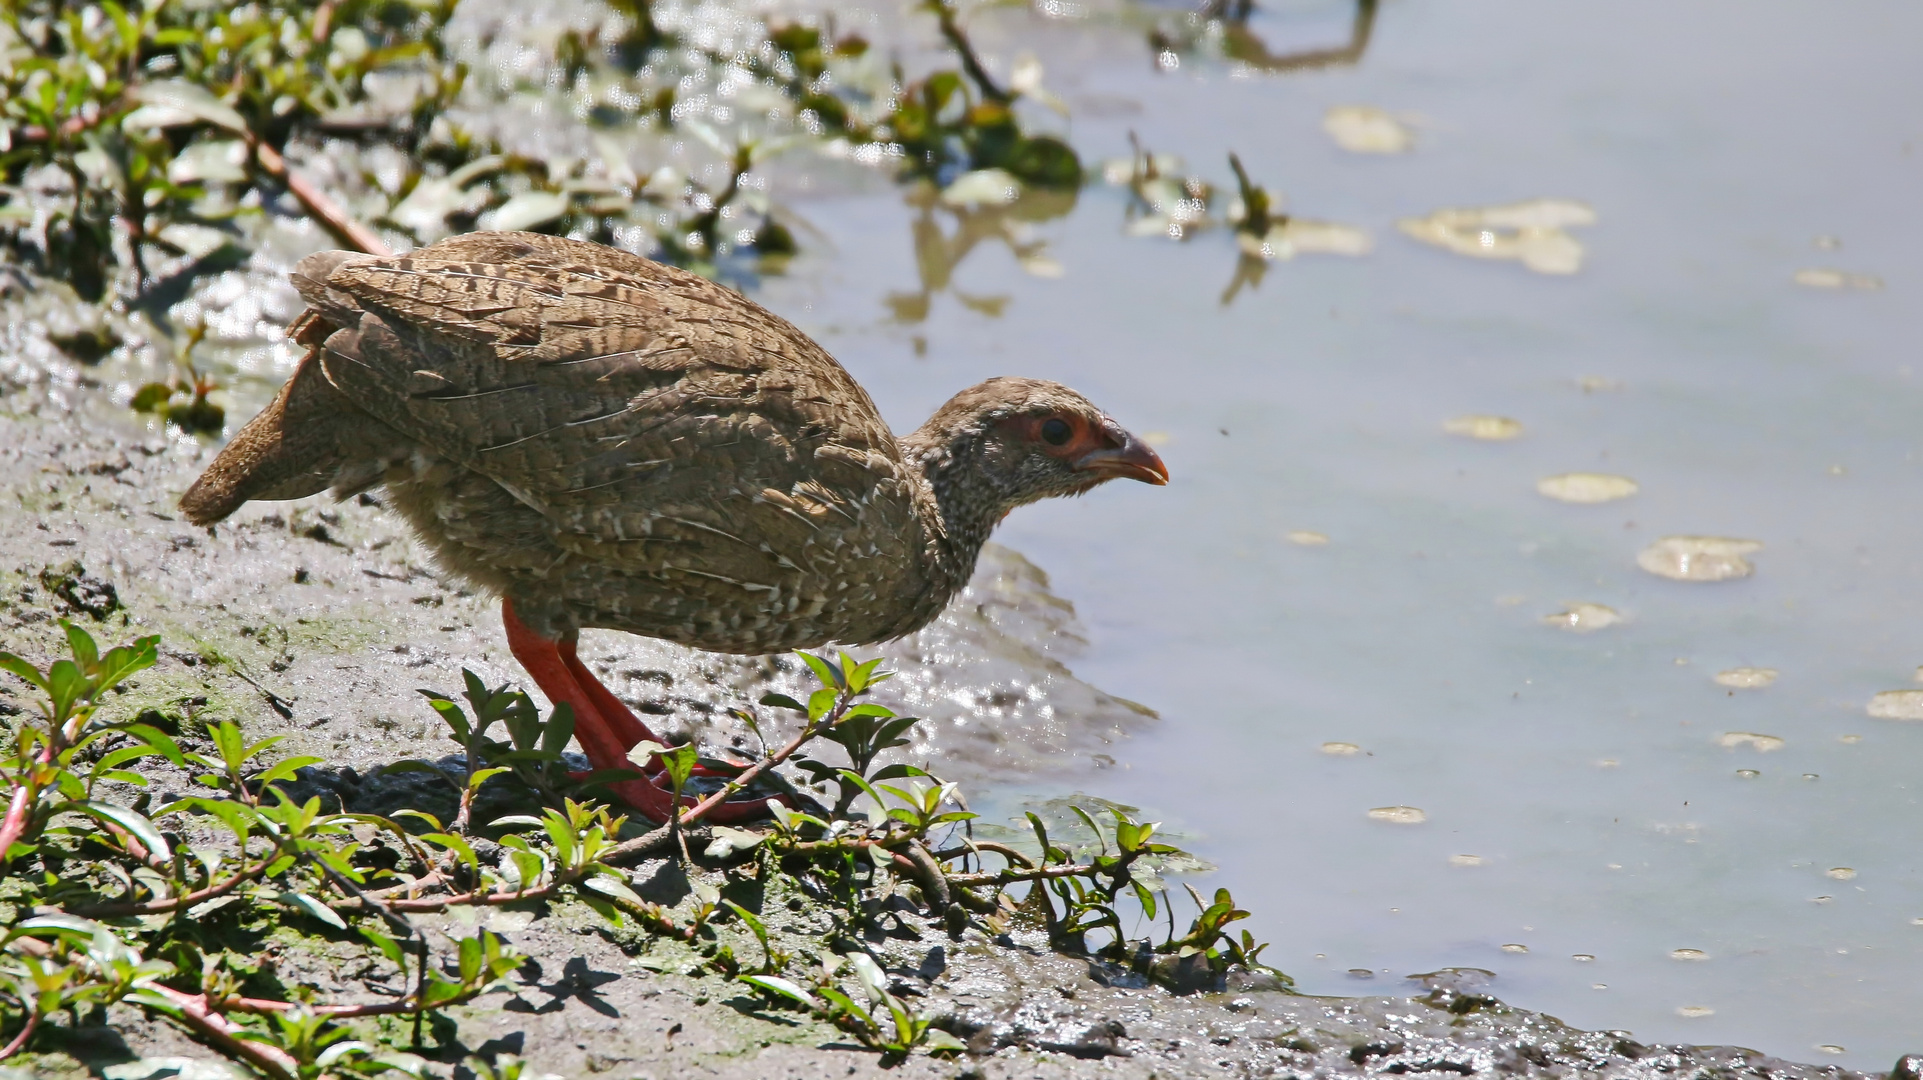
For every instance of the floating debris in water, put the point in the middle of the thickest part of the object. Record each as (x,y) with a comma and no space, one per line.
(1583,957)
(1694,1011)
(1897,705)
(1399,815)
(1513,948)
(1765,743)
(1532,232)
(1746,678)
(1823,278)
(1306,538)
(1487,428)
(1850,740)
(1465,860)
(1688,954)
(1840,873)
(1583,618)
(1830,1048)
(1583,487)
(1341,749)
(982,187)
(1361,973)
(1699,558)
(1595,384)
(1295,236)
(1365,129)
(1747,774)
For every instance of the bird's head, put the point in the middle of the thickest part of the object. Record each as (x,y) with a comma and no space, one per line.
(1007,442)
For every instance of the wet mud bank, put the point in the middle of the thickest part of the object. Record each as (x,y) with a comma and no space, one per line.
(317,622)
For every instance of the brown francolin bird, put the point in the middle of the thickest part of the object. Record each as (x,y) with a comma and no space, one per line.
(603,441)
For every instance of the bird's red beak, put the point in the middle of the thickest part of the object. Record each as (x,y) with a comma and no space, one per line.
(1132,459)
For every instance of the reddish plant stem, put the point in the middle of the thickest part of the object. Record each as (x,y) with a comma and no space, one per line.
(747,776)
(200,1017)
(1010,877)
(324,209)
(20,1040)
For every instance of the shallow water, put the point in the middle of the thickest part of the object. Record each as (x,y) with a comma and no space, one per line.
(1418,698)
(1724,147)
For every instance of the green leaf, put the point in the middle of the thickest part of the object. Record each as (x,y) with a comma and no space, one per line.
(285,770)
(780,987)
(821,702)
(14,664)
(389,947)
(461,848)
(560,728)
(161,742)
(773,701)
(66,684)
(134,823)
(122,661)
(152,397)
(481,776)
(303,902)
(615,887)
(81,644)
(829,674)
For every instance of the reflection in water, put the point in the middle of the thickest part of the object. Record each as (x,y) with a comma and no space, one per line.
(1229,20)
(938,253)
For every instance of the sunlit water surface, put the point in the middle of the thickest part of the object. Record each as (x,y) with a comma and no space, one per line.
(1589,835)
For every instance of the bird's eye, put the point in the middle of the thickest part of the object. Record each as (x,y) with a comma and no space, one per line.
(1055,431)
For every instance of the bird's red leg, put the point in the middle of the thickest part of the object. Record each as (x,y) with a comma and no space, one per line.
(622,722)
(547,665)
(605,727)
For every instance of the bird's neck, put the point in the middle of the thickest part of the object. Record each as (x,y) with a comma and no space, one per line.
(968,503)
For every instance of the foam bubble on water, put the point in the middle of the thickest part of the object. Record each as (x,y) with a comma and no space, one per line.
(1582,487)
(1688,954)
(1465,860)
(1840,873)
(1747,774)
(1764,743)
(1306,538)
(1849,740)
(1897,705)
(1513,948)
(1365,129)
(1831,1048)
(1341,749)
(1746,678)
(1694,1011)
(1399,815)
(1827,278)
(1487,428)
(1583,618)
(1583,957)
(1699,558)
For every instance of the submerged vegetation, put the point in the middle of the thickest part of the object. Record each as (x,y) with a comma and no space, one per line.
(195,908)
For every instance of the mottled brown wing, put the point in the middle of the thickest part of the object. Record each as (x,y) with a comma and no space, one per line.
(658,420)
